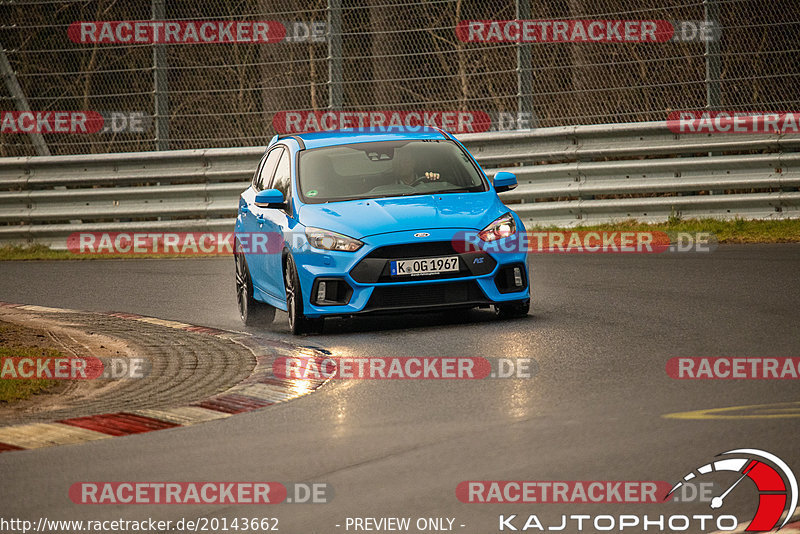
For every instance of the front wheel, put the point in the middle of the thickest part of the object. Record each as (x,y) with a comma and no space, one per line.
(251,311)
(298,323)
(512,310)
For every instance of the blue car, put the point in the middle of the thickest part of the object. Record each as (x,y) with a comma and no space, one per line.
(343,223)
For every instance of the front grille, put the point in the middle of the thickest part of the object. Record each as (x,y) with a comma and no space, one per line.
(414,250)
(425,296)
(375,266)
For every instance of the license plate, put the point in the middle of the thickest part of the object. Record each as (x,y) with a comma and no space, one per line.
(420,266)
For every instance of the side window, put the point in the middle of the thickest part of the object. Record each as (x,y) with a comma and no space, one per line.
(257,175)
(283,176)
(265,172)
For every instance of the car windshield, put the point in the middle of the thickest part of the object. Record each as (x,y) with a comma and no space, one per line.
(386,169)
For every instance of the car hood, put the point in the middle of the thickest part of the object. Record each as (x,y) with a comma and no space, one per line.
(362,218)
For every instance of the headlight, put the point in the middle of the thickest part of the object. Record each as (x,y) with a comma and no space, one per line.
(501,227)
(327,240)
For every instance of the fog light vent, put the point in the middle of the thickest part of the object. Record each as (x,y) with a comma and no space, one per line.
(321,291)
(331,292)
(511,278)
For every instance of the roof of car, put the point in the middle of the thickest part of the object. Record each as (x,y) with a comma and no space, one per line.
(332,138)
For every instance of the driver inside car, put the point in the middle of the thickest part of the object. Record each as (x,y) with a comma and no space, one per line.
(405,171)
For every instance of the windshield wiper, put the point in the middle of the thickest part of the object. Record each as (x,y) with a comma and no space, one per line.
(461,190)
(368,197)
(397,195)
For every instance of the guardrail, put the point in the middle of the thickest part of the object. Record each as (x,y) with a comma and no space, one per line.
(567,176)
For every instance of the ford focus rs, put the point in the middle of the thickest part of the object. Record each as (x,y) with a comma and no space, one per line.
(340,224)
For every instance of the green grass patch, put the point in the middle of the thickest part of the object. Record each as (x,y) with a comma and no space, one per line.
(32,252)
(43,252)
(736,231)
(12,390)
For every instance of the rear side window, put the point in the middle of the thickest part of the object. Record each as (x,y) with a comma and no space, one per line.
(283,176)
(267,169)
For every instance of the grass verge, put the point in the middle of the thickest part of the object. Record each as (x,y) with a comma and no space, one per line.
(735,231)
(42,252)
(19,342)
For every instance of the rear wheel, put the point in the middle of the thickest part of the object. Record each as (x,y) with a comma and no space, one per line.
(298,323)
(251,311)
(511,310)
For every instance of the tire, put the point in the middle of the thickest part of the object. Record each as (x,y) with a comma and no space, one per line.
(251,311)
(512,310)
(298,323)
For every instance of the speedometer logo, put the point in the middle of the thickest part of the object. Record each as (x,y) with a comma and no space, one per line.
(771,479)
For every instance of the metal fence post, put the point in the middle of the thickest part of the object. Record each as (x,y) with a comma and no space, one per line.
(335,54)
(160,90)
(713,68)
(20,101)
(524,69)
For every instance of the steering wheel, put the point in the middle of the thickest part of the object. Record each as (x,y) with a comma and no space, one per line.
(419,181)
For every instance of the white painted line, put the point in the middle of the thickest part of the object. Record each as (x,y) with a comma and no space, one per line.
(31,307)
(183,415)
(264,392)
(37,435)
(162,322)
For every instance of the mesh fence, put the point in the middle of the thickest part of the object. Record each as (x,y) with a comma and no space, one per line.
(379,56)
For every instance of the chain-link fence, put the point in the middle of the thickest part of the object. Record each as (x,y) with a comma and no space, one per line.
(403,56)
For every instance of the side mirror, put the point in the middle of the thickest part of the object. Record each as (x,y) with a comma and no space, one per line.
(504,181)
(270,198)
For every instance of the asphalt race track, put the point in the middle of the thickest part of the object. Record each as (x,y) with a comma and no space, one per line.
(601,328)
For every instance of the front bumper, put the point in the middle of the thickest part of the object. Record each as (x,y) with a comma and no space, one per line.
(360,283)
